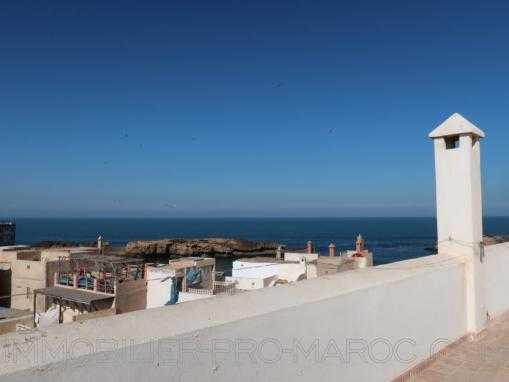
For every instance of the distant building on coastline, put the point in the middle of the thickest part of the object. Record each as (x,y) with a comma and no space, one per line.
(7,233)
(262,272)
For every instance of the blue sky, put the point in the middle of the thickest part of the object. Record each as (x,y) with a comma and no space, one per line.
(240,108)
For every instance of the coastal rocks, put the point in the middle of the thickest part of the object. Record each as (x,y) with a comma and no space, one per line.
(198,247)
(47,244)
(487,240)
(495,239)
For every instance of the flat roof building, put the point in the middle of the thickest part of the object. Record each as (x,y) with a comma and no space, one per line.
(184,279)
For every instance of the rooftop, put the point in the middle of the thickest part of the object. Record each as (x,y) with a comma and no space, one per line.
(187,262)
(483,359)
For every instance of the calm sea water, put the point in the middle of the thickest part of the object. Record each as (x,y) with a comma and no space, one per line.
(391,239)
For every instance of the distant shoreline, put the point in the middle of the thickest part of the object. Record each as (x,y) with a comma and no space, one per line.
(390,239)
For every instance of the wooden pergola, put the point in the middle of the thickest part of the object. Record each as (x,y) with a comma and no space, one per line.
(78,299)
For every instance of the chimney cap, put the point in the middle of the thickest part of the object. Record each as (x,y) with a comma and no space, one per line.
(456,124)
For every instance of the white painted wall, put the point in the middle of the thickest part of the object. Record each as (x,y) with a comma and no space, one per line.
(251,269)
(407,306)
(284,271)
(292,271)
(299,256)
(497,282)
(158,286)
(246,283)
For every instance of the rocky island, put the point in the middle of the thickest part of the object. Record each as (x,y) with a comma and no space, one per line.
(198,247)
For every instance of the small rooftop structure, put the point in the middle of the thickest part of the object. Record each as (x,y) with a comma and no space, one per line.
(78,296)
(26,268)
(260,272)
(89,282)
(183,279)
(101,273)
(76,299)
(363,258)
(332,250)
(187,262)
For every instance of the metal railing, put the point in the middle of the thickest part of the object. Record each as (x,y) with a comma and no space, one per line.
(220,287)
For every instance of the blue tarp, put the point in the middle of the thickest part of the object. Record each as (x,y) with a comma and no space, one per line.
(174,293)
(193,276)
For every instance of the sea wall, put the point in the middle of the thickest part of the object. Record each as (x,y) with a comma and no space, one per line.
(367,324)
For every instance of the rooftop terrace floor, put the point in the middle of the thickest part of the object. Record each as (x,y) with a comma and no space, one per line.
(486,358)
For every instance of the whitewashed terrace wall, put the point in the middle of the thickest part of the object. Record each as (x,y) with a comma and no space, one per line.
(420,300)
(497,279)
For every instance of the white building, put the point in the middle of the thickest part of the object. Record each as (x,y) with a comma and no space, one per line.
(262,272)
(166,281)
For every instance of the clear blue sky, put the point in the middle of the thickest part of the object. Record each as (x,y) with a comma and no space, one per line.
(244,108)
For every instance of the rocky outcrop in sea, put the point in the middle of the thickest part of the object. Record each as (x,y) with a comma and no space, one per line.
(487,240)
(198,247)
(495,239)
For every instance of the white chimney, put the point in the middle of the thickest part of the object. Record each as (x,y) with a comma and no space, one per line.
(459,206)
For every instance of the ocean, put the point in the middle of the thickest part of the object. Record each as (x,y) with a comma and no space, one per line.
(390,239)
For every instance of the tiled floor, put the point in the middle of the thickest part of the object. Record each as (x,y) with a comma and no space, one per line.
(484,359)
